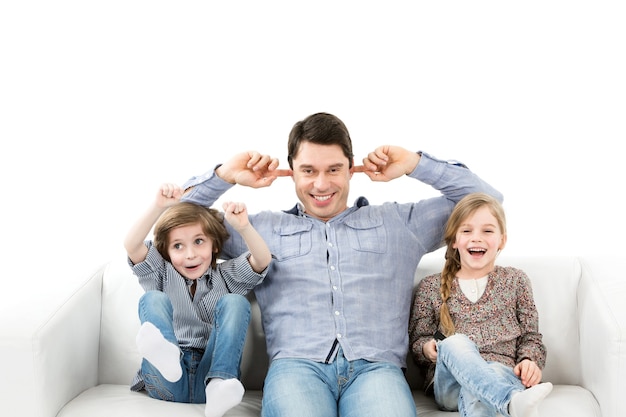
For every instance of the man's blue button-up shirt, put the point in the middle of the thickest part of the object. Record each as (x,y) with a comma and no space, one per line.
(348,280)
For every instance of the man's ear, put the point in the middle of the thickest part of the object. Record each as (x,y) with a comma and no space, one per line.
(351,167)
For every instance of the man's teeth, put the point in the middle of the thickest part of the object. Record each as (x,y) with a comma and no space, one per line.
(321,197)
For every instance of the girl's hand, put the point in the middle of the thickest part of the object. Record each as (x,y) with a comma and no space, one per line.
(430,350)
(528,372)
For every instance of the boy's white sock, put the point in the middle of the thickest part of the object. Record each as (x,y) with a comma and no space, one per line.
(222,395)
(164,355)
(524,403)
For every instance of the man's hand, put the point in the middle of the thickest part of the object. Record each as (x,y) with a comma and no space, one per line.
(251,169)
(388,162)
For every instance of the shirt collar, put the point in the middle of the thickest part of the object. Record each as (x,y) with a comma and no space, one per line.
(298,209)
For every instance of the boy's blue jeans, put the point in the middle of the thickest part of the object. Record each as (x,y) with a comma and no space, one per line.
(221,358)
(359,388)
(464,381)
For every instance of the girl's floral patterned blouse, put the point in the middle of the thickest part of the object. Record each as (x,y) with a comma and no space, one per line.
(503,322)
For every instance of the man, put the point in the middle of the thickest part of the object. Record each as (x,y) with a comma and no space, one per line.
(335,303)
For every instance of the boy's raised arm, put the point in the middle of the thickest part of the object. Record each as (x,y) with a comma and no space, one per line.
(237,215)
(137,251)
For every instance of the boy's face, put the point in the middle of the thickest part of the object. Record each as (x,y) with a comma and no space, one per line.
(190,250)
(322,177)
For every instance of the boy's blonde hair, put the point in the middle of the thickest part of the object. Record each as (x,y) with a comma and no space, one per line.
(463,209)
(183,214)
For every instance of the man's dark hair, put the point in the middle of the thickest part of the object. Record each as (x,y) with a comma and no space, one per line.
(322,129)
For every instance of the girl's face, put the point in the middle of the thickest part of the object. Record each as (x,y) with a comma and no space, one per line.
(190,250)
(478,240)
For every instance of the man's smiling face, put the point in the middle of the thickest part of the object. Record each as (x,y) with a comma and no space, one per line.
(322,177)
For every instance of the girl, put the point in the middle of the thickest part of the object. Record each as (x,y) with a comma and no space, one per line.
(488,356)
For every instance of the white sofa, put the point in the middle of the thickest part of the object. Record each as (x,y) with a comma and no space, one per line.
(78,361)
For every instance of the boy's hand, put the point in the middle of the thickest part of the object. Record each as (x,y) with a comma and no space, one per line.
(168,195)
(236,214)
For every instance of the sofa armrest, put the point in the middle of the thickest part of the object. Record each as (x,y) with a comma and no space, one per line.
(48,363)
(602,323)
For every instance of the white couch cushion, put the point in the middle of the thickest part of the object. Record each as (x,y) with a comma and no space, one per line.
(117,401)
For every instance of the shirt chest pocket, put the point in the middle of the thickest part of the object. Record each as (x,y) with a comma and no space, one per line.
(367,234)
(293,240)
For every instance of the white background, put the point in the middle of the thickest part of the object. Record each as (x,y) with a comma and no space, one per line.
(101,101)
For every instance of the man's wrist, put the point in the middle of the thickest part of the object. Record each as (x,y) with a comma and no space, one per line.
(418,157)
(222,175)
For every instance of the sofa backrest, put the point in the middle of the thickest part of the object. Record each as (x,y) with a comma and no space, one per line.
(119,358)
(554,279)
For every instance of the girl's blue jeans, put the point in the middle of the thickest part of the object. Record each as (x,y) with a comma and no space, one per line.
(464,381)
(359,388)
(221,358)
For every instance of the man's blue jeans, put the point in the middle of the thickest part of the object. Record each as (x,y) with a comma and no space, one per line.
(464,381)
(221,358)
(304,388)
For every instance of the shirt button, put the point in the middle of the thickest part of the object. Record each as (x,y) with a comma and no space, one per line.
(335,287)
(330,244)
(338,335)
(336,313)
(332,267)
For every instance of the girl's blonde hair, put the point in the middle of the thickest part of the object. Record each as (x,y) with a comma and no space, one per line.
(463,209)
(182,214)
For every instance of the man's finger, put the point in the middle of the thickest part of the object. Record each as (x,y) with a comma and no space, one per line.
(281,173)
